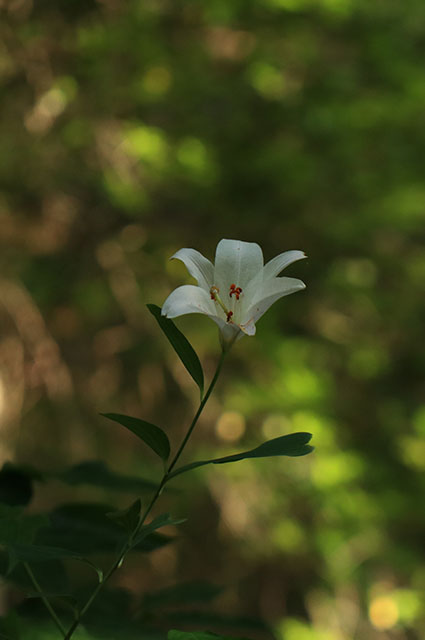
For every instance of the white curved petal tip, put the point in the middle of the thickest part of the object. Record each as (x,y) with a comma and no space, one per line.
(248,328)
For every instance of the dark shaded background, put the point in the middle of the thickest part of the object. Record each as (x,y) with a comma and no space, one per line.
(131,129)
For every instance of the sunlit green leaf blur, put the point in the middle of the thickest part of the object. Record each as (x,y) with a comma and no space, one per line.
(129,130)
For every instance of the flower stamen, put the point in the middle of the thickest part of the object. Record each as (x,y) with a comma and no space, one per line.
(214,291)
(235,290)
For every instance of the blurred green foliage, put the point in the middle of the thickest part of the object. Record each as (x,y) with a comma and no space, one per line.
(132,129)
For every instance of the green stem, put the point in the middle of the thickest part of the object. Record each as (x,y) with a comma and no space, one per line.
(198,413)
(98,588)
(46,603)
(127,547)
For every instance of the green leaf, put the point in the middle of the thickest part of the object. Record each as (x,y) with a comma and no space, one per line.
(127,518)
(97,474)
(85,528)
(181,346)
(151,435)
(294,444)
(157,523)
(38,553)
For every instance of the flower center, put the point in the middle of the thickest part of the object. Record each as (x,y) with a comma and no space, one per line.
(214,293)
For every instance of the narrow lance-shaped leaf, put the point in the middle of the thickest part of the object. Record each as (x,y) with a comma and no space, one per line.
(151,435)
(160,521)
(181,346)
(294,444)
(85,528)
(97,474)
(127,518)
(40,553)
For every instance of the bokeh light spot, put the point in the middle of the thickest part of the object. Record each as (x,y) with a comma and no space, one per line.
(267,80)
(193,155)
(148,144)
(303,384)
(383,612)
(314,423)
(292,629)
(413,452)
(230,426)
(288,536)
(336,469)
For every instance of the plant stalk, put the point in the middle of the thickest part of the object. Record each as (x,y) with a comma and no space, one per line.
(46,602)
(198,413)
(127,546)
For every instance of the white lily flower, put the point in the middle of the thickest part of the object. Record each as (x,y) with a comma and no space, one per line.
(234,292)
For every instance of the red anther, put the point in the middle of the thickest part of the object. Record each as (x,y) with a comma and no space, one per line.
(213,291)
(229,315)
(235,290)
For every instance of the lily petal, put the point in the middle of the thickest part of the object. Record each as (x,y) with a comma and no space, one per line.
(249,328)
(236,262)
(198,266)
(280,262)
(191,299)
(188,299)
(229,332)
(271,291)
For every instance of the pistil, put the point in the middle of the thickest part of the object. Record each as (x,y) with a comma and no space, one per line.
(214,291)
